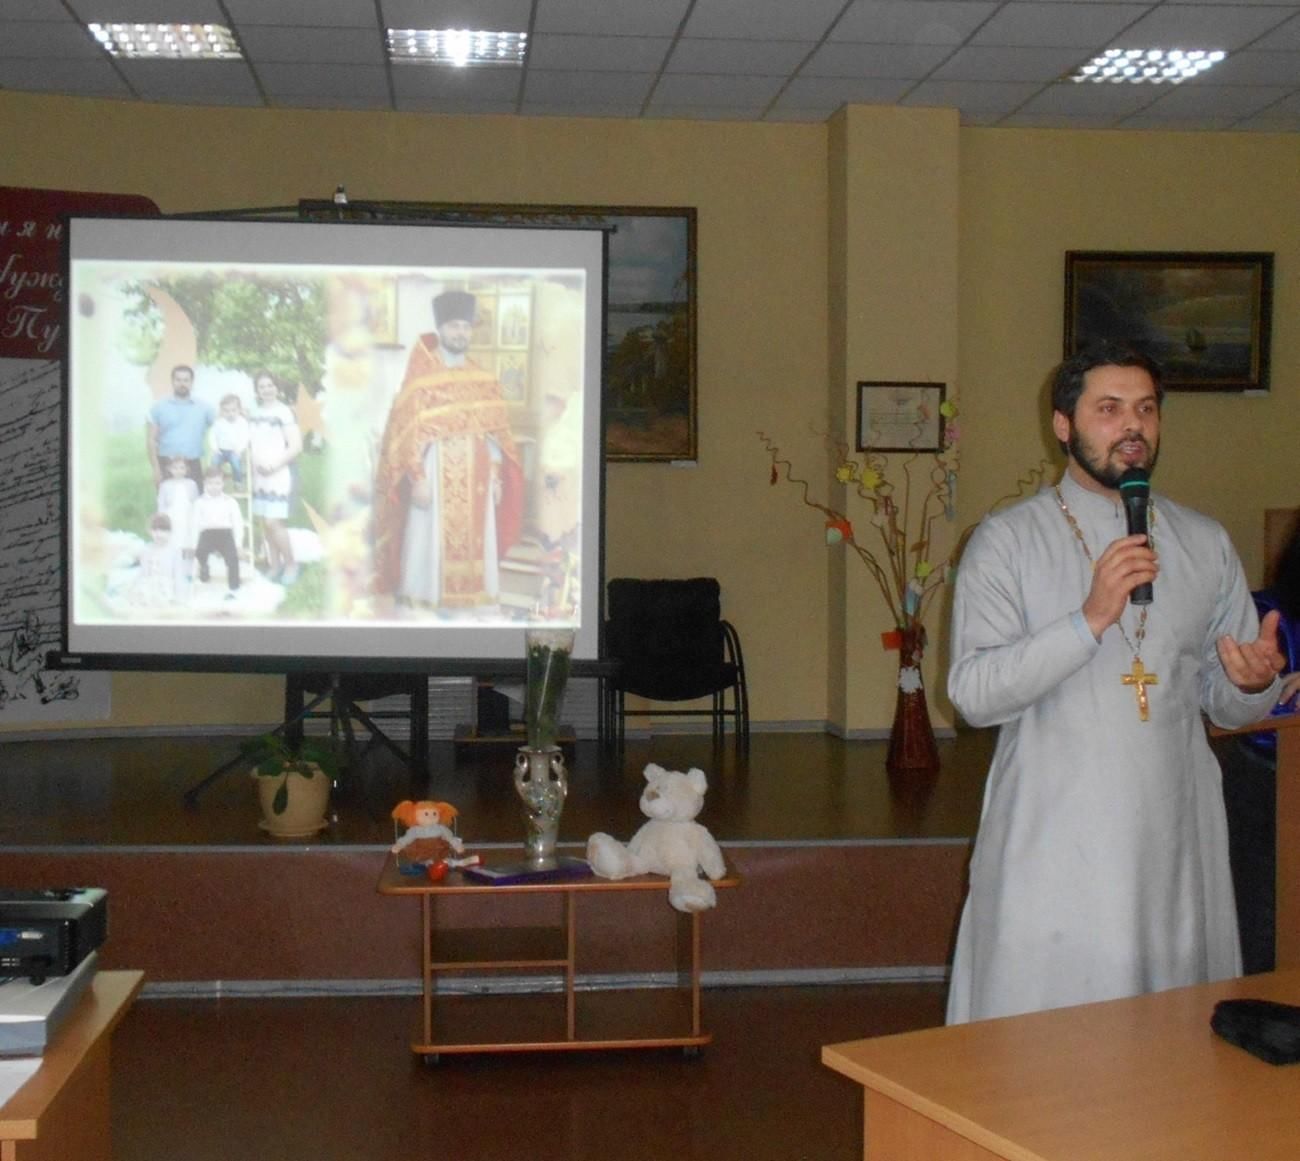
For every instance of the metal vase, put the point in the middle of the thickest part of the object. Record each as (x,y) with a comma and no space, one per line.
(542,785)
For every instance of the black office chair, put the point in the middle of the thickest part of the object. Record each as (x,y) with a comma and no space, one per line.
(672,644)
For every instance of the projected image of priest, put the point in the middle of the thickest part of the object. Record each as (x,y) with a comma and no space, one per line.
(449,488)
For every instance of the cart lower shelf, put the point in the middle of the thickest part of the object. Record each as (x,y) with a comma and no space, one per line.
(612,1019)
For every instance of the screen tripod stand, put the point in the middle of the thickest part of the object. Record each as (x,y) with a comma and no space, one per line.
(343,691)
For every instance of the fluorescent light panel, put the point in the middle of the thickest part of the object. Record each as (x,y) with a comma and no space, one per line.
(460,47)
(167,41)
(1146,66)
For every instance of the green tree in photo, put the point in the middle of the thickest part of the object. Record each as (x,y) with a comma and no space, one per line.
(241,323)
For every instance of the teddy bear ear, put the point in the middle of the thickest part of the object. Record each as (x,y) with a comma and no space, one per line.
(696,778)
(653,771)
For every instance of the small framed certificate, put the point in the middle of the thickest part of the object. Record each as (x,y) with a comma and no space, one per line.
(900,417)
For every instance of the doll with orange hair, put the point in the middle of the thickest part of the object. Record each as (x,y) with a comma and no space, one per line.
(428,838)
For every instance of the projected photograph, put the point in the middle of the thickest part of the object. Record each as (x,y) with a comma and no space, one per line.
(334,453)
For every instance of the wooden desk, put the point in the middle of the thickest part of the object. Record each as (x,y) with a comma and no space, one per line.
(1142,1079)
(62,1113)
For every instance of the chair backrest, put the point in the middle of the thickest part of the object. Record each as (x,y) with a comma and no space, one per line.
(665,620)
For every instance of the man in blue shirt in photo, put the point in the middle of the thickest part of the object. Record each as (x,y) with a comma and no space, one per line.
(177,427)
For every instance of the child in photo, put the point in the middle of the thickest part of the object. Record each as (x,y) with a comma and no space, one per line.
(161,564)
(230,437)
(218,526)
(176,496)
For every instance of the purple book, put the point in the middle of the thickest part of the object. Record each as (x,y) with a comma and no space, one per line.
(502,874)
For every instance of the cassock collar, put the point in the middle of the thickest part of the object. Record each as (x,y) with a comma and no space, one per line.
(1085,503)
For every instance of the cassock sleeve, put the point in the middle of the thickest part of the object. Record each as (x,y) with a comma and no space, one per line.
(1234,614)
(999,666)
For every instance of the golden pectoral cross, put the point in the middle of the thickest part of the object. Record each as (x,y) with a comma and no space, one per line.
(1139,677)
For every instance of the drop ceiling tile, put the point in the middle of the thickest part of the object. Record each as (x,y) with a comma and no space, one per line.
(49,38)
(611,17)
(327,13)
(576,88)
(1254,68)
(991,97)
(493,15)
(84,78)
(910,22)
(1091,100)
(1174,123)
(1232,102)
(148,11)
(759,58)
(280,80)
(804,20)
(1288,105)
(1271,122)
(832,92)
(1058,25)
(190,80)
(34,10)
(332,101)
(986,63)
(875,60)
(703,112)
(1023,120)
(319,46)
(1201,26)
(715,92)
(1285,37)
(436,82)
(636,54)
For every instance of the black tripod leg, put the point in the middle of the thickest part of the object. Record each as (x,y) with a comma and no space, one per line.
(191,797)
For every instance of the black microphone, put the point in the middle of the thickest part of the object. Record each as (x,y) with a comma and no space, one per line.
(1135,491)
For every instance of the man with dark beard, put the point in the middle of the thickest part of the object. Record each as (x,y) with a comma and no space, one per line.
(449,483)
(1101,865)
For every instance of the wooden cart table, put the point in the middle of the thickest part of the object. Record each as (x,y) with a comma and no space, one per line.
(545,1021)
(62,1113)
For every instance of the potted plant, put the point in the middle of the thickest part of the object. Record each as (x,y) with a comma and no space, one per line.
(293,782)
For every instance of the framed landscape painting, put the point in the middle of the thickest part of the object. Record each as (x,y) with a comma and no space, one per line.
(1205,317)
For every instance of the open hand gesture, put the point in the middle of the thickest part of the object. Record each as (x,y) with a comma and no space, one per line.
(1252,665)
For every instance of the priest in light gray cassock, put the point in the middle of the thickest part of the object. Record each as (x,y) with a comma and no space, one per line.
(1101,865)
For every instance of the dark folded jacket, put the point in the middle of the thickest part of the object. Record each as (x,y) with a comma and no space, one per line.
(1263,1028)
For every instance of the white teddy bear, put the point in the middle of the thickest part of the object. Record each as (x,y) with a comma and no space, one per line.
(671,843)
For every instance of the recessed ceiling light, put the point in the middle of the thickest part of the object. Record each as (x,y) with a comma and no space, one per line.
(167,41)
(1146,66)
(461,47)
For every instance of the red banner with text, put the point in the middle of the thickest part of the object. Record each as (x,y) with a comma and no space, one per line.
(31,264)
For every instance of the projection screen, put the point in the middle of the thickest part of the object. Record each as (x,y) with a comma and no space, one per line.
(343,445)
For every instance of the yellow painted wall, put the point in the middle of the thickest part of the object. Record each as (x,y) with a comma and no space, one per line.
(760,193)
(1000,208)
